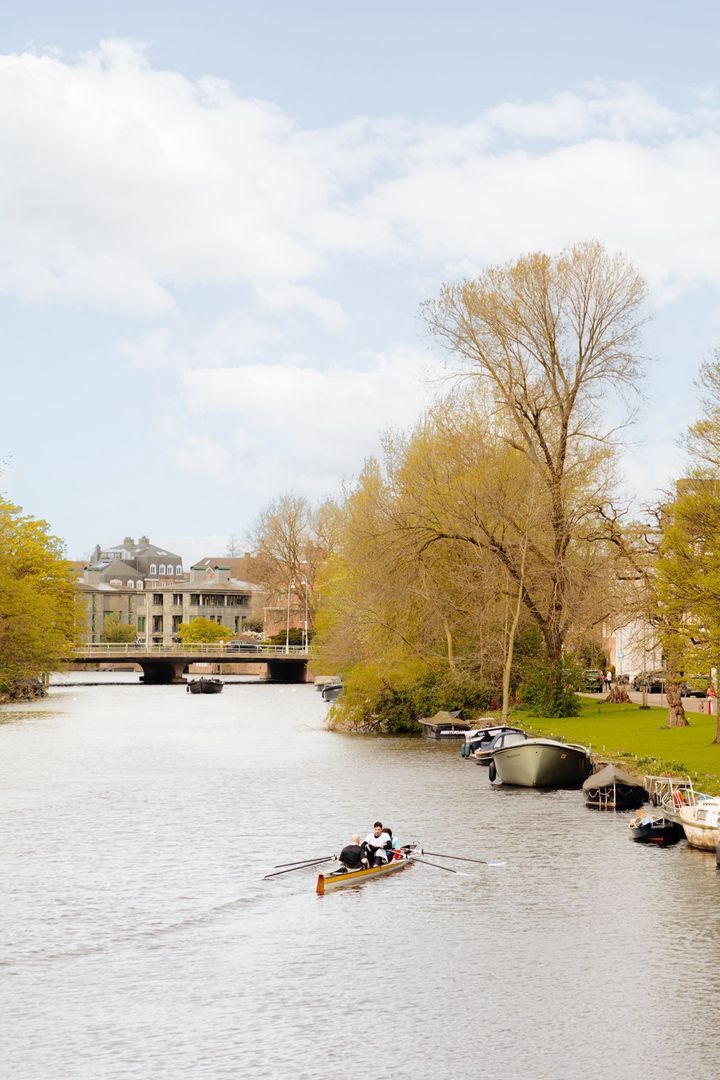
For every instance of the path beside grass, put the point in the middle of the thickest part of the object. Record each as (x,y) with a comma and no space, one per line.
(639,739)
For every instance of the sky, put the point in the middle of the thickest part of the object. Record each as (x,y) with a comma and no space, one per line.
(218,221)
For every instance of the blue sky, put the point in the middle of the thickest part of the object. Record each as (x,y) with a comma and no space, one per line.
(218,222)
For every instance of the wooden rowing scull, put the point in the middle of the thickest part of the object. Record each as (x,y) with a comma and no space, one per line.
(328,882)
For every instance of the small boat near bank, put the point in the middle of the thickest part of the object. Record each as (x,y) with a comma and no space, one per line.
(444,725)
(205,686)
(480,742)
(611,788)
(649,828)
(342,878)
(541,763)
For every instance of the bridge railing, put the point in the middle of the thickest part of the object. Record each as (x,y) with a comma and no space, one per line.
(213,648)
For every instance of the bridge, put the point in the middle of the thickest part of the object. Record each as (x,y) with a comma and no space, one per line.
(162,664)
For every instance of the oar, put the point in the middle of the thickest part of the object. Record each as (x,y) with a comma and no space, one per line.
(305,866)
(296,862)
(436,865)
(461,858)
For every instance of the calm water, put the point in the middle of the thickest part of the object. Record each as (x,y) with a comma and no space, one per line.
(137,938)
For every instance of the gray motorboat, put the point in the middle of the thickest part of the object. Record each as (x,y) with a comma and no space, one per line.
(545,763)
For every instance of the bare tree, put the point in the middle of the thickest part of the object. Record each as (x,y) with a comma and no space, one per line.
(550,338)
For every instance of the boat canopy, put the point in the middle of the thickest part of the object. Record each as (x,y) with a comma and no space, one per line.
(609,775)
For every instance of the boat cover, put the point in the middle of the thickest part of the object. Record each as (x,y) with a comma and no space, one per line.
(609,775)
(444,717)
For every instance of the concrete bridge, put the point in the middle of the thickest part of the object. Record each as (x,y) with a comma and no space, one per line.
(168,663)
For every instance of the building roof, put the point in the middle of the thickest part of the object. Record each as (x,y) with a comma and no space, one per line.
(240,567)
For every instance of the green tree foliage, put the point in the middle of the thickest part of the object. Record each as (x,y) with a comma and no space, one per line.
(38,613)
(203,631)
(116,631)
(391,701)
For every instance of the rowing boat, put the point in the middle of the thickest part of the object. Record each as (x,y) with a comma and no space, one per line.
(339,879)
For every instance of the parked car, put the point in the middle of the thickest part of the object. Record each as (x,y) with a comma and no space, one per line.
(592,681)
(242,646)
(652,681)
(695,685)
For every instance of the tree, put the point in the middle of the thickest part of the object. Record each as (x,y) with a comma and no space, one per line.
(203,630)
(290,540)
(115,630)
(548,338)
(38,613)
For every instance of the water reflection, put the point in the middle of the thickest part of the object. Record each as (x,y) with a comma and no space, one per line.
(138,938)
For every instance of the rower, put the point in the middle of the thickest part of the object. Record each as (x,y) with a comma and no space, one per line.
(375,845)
(351,855)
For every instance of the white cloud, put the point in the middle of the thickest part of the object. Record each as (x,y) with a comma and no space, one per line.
(129,184)
(202,456)
(320,424)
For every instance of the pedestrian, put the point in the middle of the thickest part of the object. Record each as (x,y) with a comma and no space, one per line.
(608,680)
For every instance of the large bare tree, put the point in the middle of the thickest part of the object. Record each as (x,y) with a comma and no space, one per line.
(553,339)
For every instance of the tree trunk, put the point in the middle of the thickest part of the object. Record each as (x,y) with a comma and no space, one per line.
(450,652)
(676,712)
(618,695)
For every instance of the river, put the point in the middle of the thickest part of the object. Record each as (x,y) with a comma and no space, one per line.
(138,939)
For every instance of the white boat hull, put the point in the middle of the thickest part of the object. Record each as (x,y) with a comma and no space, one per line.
(701,824)
(542,763)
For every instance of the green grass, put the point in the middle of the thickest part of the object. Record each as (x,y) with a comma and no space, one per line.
(639,739)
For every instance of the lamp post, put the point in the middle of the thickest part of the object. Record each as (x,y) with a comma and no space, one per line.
(291,586)
(305,631)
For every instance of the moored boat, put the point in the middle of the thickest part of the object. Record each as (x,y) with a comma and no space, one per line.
(444,725)
(658,830)
(484,753)
(542,763)
(481,738)
(611,788)
(205,686)
(701,823)
(341,878)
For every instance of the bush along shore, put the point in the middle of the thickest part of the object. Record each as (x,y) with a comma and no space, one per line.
(23,690)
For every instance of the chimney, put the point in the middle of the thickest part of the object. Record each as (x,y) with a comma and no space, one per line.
(143,541)
(222,575)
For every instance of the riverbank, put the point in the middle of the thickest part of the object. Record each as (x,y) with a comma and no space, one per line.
(638,738)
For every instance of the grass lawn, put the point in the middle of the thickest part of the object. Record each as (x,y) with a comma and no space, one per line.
(639,739)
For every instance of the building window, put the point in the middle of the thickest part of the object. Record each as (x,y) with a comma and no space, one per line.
(140,585)
(158,599)
(153,570)
(157,624)
(177,623)
(141,624)
(178,570)
(161,570)
(170,569)
(177,599)
(194,599)
(131,584)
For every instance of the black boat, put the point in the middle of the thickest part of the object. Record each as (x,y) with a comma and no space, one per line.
(646,829)
(205,686)
(612,789)
(481,743)
(444,725)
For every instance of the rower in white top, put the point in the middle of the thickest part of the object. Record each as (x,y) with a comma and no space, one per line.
(376,846)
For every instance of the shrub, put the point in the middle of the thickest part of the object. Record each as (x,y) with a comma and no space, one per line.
(546,690)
